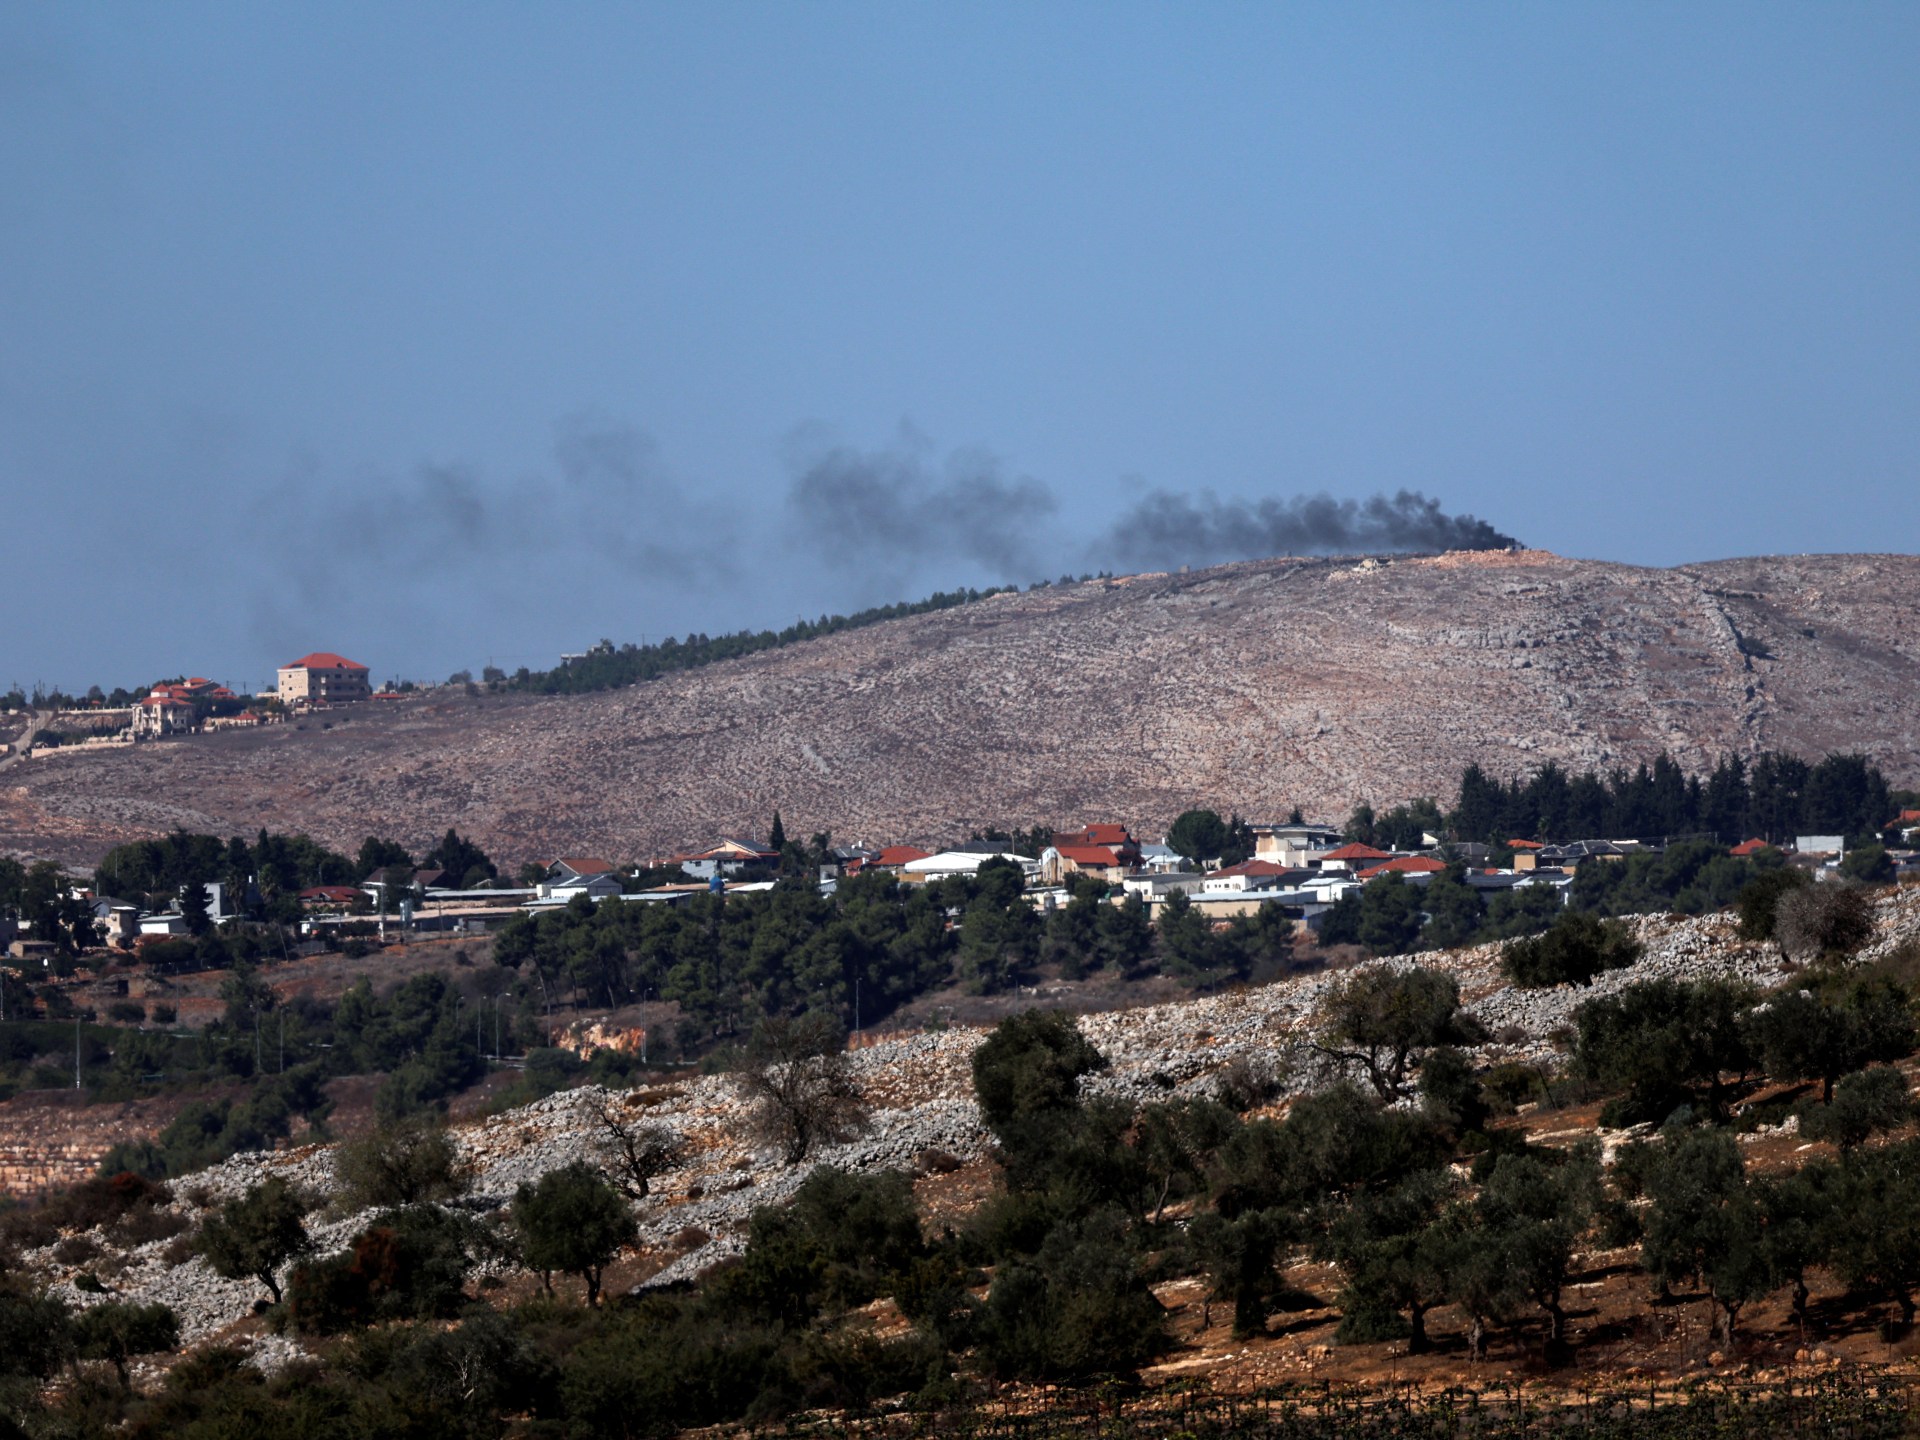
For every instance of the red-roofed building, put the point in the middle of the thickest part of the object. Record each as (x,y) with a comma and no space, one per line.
(1354,853)
(897,857)
(1408,865)
(162,713)
(331,897)
(1105,851)
(1525,845)
(1748,847)
(1114,835)
(1103,862)
(323,678)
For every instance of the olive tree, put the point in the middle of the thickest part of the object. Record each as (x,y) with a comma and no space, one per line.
(571,1220)
(1382,1020)
(801,1087)
(255,1234)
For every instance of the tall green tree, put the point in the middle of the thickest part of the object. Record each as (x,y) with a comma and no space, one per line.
(1382,1020)
(255,1234)
(1706,1222)
(571,1220)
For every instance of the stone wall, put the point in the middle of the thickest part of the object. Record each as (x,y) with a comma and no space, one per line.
(48,1137)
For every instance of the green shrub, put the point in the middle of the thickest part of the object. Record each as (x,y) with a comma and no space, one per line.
(1863,1104)
(1576,948)
(409,1264)
(410,1162)
(571,1220)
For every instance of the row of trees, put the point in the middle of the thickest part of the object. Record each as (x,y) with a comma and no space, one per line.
(1774,798)
(269,874)
(607,666)
(870,947)
(1390,916)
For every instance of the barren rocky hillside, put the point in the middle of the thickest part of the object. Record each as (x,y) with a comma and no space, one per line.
(1251,687)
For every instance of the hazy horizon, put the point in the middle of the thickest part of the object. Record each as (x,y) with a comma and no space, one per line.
(435,336)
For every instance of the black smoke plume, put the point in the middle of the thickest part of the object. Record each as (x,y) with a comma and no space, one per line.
(1165,530)
(889,511)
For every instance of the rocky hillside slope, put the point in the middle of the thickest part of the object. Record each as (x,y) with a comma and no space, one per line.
(920,1090)
(1250,687)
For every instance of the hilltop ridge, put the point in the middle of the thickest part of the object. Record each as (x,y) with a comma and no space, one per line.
(1253,687)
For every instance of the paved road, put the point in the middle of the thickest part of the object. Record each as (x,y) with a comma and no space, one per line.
(19,739)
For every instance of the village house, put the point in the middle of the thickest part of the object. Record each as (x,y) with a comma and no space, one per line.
(727,858)
(323,678)
(1106,852)
(577,869)
(161,713)
(1252,875)
(1418,869)
(949,863)
(1352,856)
(1161,859)
(1293,844)
(896,858)
(1153,886)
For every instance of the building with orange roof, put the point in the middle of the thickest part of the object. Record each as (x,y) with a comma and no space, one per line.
(1105,851)
(1354,853)
(323,678)
(1414,867)
(162,713)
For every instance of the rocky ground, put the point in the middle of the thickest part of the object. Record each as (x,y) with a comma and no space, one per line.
(1249,688)
(923,1116)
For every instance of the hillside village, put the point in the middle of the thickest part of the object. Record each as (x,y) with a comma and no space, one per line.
(1627,979)
(1303,869)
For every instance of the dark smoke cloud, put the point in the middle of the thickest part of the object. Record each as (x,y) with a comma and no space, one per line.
(452,547)
(1165,529)
(605,534)
(606,495)
(891,511)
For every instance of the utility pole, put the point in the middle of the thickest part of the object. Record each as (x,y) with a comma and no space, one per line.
(76,1051)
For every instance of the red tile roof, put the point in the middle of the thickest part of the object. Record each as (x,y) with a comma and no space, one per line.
(1747,847)
(1257,867)
(895,856)
(1099,855)
(1908,817)
(345,893)
(584,865)
(323,660)
(1525,845)
(1093,835)
(1357,851)
(1405,865)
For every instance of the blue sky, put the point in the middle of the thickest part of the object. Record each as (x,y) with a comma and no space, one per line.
(438,333)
